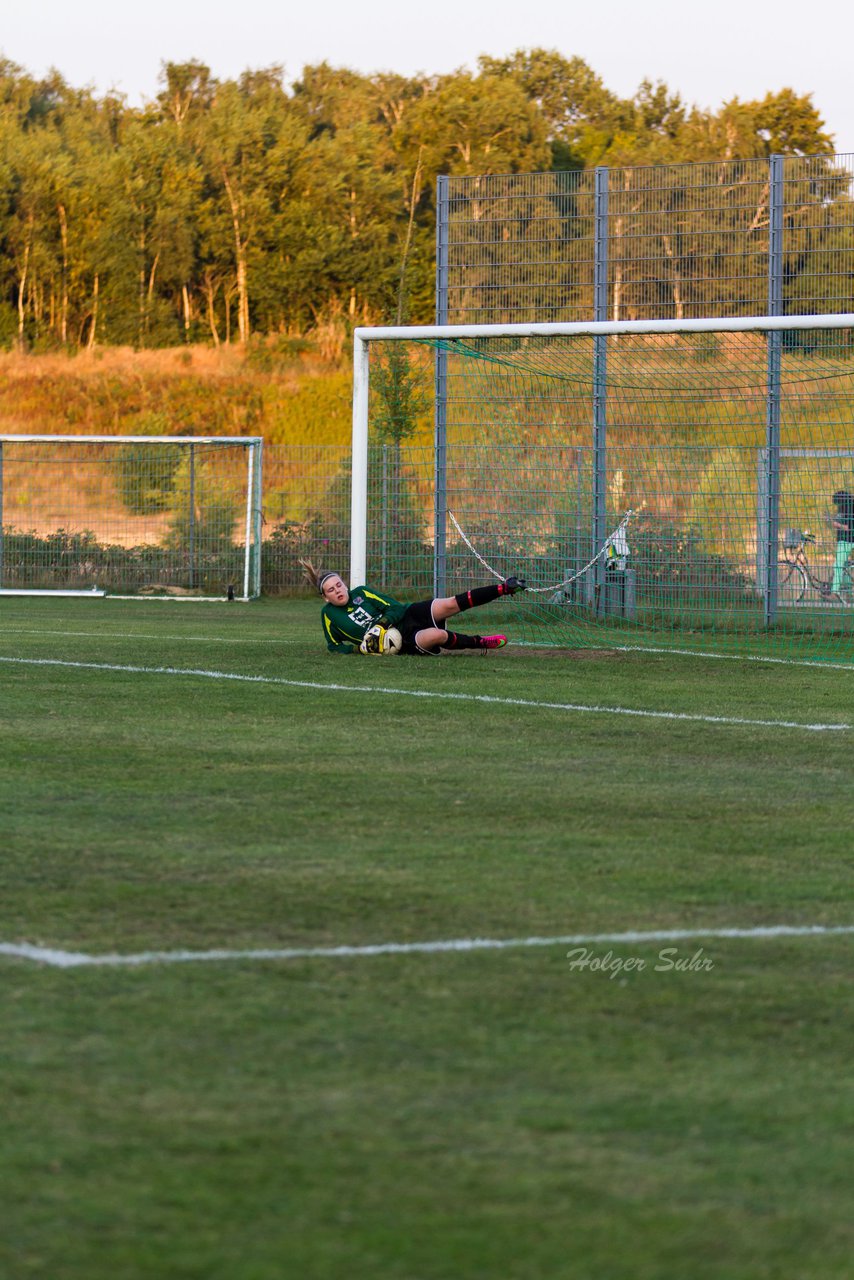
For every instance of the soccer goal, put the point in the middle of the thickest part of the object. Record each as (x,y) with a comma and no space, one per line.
(158,517)
(643,475)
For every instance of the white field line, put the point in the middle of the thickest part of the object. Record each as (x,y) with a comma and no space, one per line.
(607,647)
(526,644)
(78,959)
(375,690)
(734,657)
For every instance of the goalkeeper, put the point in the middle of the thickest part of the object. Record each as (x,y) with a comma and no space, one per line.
(349,615)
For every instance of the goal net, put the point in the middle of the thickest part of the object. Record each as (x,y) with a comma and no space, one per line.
(157,516)
(647,478)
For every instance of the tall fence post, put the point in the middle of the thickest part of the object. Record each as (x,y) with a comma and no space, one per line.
(761,520)
(258,516)
(1,513)
(596,580)
(440,434)
(384,519)
(769,533)
(191,512)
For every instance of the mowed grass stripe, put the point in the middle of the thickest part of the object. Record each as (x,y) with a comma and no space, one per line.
(483,698)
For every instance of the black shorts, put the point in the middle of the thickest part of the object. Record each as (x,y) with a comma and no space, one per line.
(418,616)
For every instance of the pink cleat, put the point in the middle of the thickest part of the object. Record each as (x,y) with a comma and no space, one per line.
(493,642)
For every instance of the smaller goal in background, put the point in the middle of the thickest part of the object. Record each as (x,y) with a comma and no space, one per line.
(147,516)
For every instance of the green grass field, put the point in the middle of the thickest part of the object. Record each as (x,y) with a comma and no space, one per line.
(458,1115)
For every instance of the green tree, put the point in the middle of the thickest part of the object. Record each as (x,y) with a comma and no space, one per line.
(581,115)
(205,509)
(478,125)
(236,136)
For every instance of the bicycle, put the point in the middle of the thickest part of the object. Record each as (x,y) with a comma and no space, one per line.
(795,574)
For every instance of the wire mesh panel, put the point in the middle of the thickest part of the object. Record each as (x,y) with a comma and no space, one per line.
(818,234)
(519,474)
(678,240)
(520,246)
(400,509)
(401,469)
(688,240)
(131,515)
(306,505)
(680,489)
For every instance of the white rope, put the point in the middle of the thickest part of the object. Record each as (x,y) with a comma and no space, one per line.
(609,542)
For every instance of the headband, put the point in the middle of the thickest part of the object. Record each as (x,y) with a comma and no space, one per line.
(324,576)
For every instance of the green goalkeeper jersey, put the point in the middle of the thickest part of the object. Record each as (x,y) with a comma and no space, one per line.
(344,626)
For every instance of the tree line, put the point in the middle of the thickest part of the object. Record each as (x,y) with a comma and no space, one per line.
(225,209)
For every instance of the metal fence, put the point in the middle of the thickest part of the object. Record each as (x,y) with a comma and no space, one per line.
(307,514)
(130,514)
(728,238)
(735,237)
(147,519)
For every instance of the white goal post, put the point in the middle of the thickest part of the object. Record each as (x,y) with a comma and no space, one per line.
(450,340)
(131,516)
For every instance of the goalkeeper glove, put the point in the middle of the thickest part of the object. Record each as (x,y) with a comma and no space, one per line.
(382,640)
(373,640)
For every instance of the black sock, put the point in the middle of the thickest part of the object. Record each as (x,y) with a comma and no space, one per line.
(456,640)
(479,595)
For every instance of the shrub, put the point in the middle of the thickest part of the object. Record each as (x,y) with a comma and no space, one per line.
(145,476)
(724,506)
(667,556)
(79,561)
(202,507)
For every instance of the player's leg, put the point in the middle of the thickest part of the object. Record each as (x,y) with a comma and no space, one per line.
(423,632)
(430,639)
(448,606)
(846,573)
(843,550)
